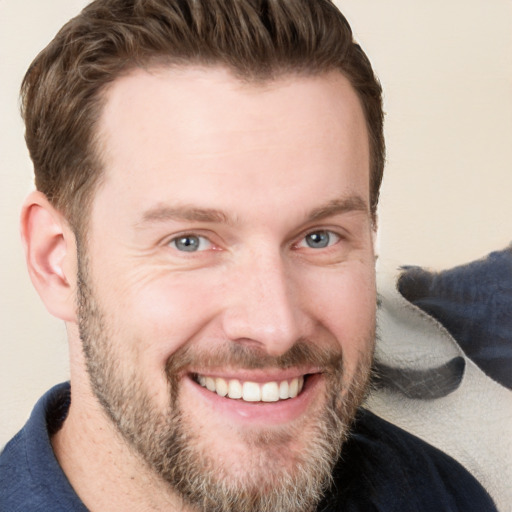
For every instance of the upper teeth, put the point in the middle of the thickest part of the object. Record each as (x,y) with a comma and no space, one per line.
(253,391)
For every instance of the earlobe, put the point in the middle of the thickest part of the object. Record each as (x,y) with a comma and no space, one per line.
(50,253)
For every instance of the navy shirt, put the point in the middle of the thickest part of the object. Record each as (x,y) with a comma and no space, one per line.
(382,469)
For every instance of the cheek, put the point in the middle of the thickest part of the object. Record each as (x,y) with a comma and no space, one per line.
(149,320)
(168,302)
(150,310)
(344,302)
(164,313)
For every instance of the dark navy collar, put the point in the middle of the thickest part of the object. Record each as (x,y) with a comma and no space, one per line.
(43,468)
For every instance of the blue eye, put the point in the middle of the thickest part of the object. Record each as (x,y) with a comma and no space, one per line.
(190,243)
(319,239)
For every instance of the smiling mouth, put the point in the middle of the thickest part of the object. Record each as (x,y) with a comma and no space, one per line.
(272,391)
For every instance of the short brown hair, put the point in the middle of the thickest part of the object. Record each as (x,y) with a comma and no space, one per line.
(255,39)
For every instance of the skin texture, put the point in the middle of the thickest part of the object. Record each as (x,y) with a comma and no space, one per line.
(249,171)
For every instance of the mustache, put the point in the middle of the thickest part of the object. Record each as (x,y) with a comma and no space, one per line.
(303,352)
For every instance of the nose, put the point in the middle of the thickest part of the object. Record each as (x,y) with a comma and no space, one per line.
(263,307)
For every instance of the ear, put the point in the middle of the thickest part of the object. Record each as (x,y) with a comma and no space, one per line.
(50,252)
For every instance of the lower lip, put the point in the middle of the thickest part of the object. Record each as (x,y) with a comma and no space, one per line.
(268,413)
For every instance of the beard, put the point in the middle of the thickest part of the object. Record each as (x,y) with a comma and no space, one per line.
(272,474)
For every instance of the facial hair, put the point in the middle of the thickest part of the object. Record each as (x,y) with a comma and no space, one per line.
(173,450)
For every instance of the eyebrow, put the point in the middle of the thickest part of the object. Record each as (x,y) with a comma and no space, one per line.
(338,207)
(164,213)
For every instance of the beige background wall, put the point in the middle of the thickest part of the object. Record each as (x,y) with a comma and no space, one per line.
(446,67)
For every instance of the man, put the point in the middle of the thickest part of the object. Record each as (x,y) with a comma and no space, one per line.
(207,180)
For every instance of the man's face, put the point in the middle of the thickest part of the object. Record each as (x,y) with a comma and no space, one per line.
(227,295)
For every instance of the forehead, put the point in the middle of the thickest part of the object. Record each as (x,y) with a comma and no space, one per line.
(171,127)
